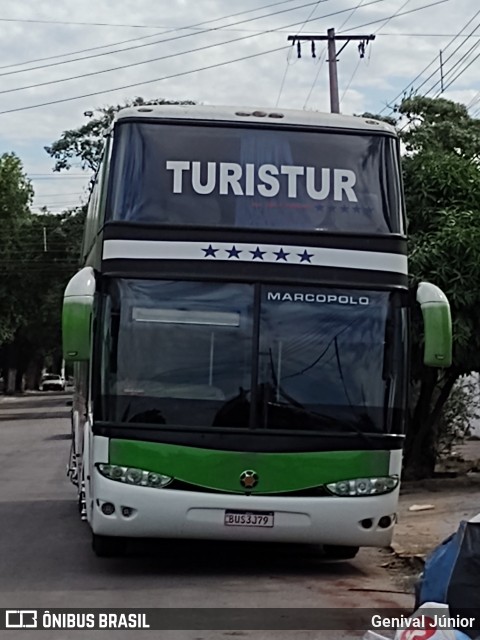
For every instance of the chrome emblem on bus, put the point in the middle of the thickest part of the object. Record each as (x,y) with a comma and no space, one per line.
(249,479)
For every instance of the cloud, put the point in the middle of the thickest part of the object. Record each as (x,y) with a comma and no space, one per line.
(403,47)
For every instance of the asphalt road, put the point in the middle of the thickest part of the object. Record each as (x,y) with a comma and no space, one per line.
(46,560)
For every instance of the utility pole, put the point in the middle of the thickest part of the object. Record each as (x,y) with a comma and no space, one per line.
(441,70)
(331,39)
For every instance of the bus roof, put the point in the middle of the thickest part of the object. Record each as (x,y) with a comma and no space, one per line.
(280,117)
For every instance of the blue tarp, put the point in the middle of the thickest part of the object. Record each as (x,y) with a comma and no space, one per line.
(452,573)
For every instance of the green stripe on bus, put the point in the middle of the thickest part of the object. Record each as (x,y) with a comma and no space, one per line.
(221,470)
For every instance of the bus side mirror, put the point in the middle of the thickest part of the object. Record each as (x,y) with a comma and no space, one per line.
(77,316)
(437,323)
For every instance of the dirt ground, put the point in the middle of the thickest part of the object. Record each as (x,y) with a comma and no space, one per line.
(430,511)
(444,501)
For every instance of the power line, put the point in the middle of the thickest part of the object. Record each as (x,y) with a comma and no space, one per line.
(153,35)
(463,70)
(323,55)
(175,75)
(198,69)
(287,66)
(331,38)
(419,75)
(133,64)
(351,79)
(56,205)
(357,66)
(392,16)
(49,176)
(428,35)
(351,15)
(83,24)
(143,82)
(398,15)
(320,64)
(56,195)
(449,58)
(140,26)
(474,100)
(165,40)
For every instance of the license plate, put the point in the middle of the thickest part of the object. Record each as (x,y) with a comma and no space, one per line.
(248,518)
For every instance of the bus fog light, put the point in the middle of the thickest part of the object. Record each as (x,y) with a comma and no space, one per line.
(108,508)
(364,486)
(127,512)
(367,523)
(385,522)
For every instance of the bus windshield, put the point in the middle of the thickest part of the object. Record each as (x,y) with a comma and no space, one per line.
(191,174)
(193,354)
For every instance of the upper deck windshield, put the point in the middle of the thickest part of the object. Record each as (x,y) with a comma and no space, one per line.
(265,178)
(200,355)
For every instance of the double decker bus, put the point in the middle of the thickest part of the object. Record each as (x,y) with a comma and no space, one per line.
(240,330)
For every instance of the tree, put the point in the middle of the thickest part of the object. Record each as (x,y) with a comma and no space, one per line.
(52,246)
(46,257)
(86,142)
(16,194)
(439,125)
(442,190)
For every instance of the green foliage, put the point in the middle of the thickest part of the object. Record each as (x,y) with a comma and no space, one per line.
(52,249)
(46,256)
(15,197)
(440,126)
(87,141)
(442,191)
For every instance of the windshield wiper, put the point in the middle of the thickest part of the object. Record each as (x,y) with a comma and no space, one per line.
(328,420)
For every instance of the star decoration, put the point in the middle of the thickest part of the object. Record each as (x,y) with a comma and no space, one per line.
(281,255)
(233,252)
(258,254)
(305,256)
(210,251)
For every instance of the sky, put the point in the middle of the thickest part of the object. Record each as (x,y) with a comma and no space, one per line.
(60,60)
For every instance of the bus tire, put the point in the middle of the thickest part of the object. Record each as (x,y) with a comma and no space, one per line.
(108,546)
(339,552)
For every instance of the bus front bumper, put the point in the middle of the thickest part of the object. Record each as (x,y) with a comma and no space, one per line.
(166,513)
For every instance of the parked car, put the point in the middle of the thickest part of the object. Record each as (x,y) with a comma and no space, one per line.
(52,382)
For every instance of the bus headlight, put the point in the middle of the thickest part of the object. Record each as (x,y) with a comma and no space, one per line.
(364,486)
(130,475)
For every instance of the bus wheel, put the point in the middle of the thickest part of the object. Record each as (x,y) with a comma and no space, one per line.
(338,552)
(108,546)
